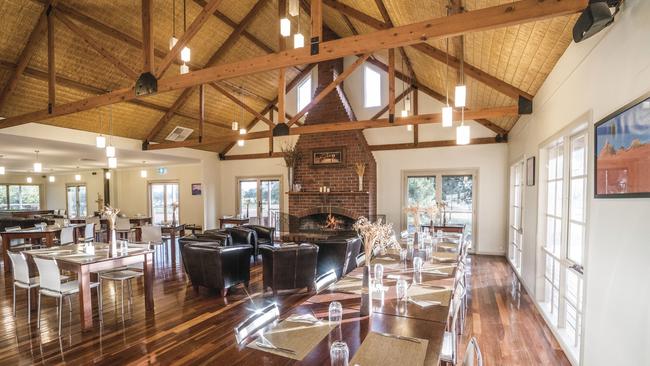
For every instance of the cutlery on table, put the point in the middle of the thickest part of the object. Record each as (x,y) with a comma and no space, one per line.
(403,338)
(268,345)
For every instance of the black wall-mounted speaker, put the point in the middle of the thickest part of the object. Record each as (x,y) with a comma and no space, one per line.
(595,18)
(146,84)
(281,129)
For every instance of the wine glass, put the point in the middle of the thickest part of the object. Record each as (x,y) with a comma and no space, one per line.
(379,274)
(339,354)
(335,312)
(401,289)
(417,265)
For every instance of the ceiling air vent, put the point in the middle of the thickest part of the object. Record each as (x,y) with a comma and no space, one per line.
(179,134)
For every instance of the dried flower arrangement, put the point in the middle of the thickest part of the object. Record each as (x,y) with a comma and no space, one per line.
(111,215)
(415,211)
(377,236)
(360,169)
(290,154)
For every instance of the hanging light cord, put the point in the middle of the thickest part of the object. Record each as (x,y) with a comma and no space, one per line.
(110,126)
(447,72)
(184,18)
(100,121)
(174,18)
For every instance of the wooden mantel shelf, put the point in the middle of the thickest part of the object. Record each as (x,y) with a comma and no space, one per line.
(308,193)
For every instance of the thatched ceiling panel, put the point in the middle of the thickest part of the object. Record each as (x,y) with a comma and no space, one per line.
(17,19)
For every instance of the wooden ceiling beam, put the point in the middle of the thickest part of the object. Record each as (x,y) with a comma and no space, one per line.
(430,144)
(245,106)
(436,54)
(197,24)
(178,103)
(384,14)
(26,54)
(397,100)
(391,84)
(95,45)
(330,87)
(478,20)
(147,36)
(344,126)
(316,12)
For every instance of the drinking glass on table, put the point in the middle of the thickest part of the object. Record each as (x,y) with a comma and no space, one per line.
(402,254)
(401,288)
(439,233)
(417,265)
(379,274)
(335,312)
(339,354)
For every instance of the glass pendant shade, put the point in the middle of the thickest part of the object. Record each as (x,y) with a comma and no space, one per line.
(29,179)
(460,96)
(240,142)
(242,131)
(51,179)
(2,170)
(235,126)
(143,173)
(298,40)
(107,175)
(112,162)
(77,177)
(447,116)
(285,27)
(100,141)
(110,151)
(172,43)
(462,135)
(184,69)
(407,104)
(186,54)
(409,127)
(405,113)
(38,167)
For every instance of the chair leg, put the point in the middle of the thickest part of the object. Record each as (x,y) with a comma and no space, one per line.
(122,288)
(38,319)
(100,301)
(60,312)
(130,294)
(14,300)
(29,305)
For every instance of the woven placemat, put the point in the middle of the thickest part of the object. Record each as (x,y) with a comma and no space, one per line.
(378,349)
(296,336)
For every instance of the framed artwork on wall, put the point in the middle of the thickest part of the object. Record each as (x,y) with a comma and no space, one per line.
(622,152)
(196,189)
(333,156)
(530,171)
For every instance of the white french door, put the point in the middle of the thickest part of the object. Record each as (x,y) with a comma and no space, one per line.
(259,199)
(162,197)
(76,200)
(515,230)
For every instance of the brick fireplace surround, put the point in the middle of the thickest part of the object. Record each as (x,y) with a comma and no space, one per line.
(344,198)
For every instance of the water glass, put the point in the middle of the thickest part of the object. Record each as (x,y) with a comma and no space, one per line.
(401,289)
(379,273)
(417,264)
(335,312)
(402,254)
(439,233)
(428,252)
(339,354)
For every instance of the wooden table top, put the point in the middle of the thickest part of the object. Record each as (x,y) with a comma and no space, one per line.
(79,255)
(47,229)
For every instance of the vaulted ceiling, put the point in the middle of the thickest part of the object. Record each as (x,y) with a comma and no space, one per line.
(499,64)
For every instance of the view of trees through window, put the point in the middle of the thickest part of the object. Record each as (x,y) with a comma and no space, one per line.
(163,197)
(259,198)
(20,197)
(456,190)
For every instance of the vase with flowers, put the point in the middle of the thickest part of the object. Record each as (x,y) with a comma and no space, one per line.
(110,213)
(291,155)
(377,237)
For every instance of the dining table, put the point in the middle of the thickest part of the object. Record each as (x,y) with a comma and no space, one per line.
(86,259)
(133,220)
(46,235)
(395,328)
(173,230)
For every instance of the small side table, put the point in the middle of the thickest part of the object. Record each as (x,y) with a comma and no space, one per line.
(232,221)
(194,228)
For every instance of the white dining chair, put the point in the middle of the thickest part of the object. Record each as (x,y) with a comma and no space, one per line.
(449,351)
(19,244)
(89,233)
(67,235)
(258,320)
(122,276)
(123,228)
(51,285)
(473,355)
(325,280)
(151,234)
(22,280)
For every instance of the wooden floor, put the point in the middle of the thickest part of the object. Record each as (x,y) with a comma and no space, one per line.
(190,328)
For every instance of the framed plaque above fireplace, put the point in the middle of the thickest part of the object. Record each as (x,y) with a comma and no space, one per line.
(328,157)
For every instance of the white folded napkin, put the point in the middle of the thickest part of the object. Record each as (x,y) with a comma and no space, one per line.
(303,318)
(425,303)
(393,277)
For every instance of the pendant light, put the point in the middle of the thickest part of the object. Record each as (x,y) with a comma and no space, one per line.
(2,167)
(77,177)
(285,27)
(38,167)
(173,39)
(406,104)
(447,110)
(240,143)
(51,179)
(110,149)
(235,125)
(29,179)
(461,90)
(100,140)
(242,131)
(462,131)
(112,162)
(107,175)
(143,171)
(185,52)
(298,38)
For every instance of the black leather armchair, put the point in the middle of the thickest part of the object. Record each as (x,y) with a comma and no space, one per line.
(338,254)
(264,234)
(208,236)
(288,267)
(212,265)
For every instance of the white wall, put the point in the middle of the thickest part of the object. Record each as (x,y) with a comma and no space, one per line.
(595,78)
(488,160)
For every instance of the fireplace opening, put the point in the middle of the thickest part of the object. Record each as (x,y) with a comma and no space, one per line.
(325,222)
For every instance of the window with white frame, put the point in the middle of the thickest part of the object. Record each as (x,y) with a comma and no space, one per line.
(371,87)
(564,239)
(304,93)
(516,208)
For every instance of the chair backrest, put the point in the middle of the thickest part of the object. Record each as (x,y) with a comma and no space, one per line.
(89,231)
(122,224)
(41,225)
(257,321)
(325,280)
(67,235)
(13,228)
(473,355)
(361,259)
(21,270)
(151,234)
(456,304)
(49,275)
(60,222)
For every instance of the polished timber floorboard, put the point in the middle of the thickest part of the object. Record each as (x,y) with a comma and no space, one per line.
(189,328)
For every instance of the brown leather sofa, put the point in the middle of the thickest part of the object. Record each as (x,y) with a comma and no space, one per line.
(288,267)
(338,254)
(213,265)
(264,235)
